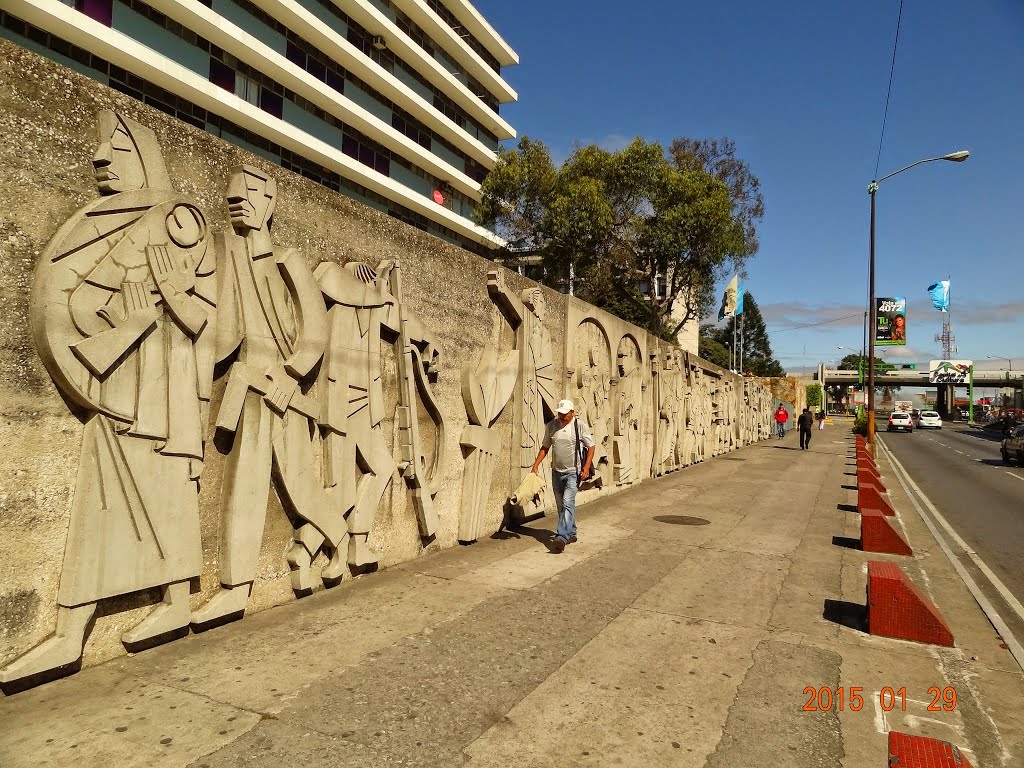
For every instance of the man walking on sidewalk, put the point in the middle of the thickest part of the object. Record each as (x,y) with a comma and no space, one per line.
(563,436)
(805,423)
(781,417)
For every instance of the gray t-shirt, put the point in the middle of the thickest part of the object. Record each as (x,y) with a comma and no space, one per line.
(561,442)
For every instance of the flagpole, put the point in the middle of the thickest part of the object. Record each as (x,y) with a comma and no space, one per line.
(742,339)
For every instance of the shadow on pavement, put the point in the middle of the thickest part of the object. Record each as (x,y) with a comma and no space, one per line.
(848,487)
(846,614)
(846,541)
(994,462)
(846,507)
(518,531)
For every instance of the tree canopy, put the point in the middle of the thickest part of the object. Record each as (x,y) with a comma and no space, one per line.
(642,232)
(758,358)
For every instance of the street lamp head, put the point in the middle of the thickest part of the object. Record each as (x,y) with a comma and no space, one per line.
(958,156)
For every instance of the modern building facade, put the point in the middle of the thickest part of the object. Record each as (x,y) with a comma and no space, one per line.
(392,102)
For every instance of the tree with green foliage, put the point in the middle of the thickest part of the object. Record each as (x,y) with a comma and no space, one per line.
(758,358)
(814,395)
(713,351)
(640,232)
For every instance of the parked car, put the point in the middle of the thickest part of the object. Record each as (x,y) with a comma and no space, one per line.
(928,420)
(1013,447)
(899,420)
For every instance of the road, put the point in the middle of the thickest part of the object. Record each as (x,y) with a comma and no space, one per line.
(961,472)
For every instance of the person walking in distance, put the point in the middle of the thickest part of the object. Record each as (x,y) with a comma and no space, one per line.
(563,436)
(805,423)
(781,417)
(821,420)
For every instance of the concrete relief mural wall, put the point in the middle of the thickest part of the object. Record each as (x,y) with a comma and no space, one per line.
(208,365)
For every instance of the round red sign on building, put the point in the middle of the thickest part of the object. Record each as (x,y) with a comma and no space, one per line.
(438,197)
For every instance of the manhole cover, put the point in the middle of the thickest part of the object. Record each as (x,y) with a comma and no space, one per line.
(681,520)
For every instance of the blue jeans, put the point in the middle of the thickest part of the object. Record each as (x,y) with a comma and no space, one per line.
(564,485)
(781,428)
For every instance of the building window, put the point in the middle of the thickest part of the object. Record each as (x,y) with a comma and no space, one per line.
(99,10)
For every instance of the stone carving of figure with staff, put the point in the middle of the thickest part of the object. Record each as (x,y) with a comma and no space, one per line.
(366,306)
(121,314)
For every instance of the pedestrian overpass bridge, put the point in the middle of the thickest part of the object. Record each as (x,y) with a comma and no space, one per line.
(919,378)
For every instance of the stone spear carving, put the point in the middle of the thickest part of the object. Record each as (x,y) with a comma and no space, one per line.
(485,392)
(120,313)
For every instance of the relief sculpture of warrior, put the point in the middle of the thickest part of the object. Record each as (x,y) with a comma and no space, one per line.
(365,307)
(272,326)
(121,314)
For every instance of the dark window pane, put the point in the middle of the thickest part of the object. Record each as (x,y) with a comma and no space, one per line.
(271,102)
(336,80)
(317,69)
(295,55)
(350,146)
(223,75)
(365,155)
(382,164)
(100,10)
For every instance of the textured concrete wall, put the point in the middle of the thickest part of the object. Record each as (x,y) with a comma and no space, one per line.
(48,135)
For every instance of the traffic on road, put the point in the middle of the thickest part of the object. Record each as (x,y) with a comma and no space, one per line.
(972,479)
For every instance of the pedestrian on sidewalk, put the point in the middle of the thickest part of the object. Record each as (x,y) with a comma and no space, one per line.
(781,417)
(821,420)
(805,423)
(566,437)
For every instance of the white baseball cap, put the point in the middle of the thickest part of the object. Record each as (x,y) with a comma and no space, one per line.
(566,406)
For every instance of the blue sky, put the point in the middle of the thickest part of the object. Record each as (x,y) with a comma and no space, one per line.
(801,88)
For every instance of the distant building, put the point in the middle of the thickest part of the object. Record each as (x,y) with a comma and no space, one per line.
(394,103)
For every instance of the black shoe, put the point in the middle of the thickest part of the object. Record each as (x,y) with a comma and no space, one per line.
(558,546)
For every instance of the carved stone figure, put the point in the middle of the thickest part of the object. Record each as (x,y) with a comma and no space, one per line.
(366,307)
(626,413)
(121,311)
(534,403)
(485,392)
(591,388)
(670,394)
(272,323)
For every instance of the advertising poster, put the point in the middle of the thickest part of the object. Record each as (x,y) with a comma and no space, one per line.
(891,321)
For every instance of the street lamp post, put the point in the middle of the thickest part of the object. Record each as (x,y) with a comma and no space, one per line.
(954,157)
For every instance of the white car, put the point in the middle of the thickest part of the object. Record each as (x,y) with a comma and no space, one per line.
(929,420)
(900,421)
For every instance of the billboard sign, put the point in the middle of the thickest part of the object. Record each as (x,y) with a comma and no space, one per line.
(949,371)
(891,321)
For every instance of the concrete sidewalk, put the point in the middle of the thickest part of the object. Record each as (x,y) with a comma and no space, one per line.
(681,630)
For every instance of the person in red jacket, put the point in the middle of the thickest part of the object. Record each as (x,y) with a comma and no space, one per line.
(781,417)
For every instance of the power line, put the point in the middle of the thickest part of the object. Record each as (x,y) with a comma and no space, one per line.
(892,69)
(811,325)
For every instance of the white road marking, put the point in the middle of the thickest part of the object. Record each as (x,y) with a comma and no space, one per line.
(960,452)
(1014,474)
(1016,649)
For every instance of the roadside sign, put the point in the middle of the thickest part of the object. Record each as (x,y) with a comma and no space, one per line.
(949,371)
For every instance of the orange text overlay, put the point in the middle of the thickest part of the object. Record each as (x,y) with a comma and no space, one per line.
(828,699)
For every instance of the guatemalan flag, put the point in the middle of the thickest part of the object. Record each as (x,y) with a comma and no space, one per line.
(940,295)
